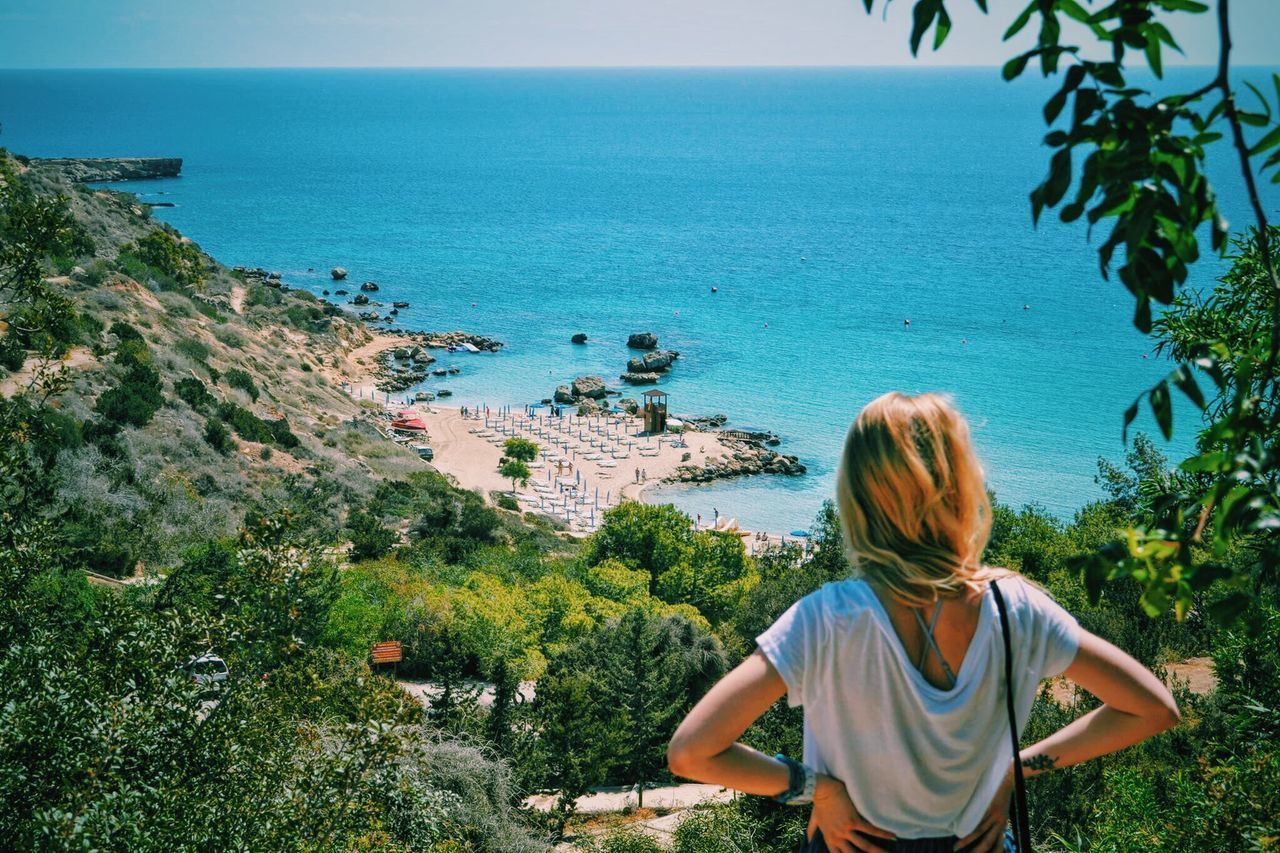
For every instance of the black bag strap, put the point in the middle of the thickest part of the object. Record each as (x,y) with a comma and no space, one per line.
(1021,823)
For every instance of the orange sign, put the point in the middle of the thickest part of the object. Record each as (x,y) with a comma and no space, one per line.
(387,652)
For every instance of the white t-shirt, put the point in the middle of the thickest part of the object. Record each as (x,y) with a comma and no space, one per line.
(918,761)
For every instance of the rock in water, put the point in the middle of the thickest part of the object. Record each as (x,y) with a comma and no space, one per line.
(643,340)
(338,273)
(588,386)
(629,405)
(579,338)
(652,362)
(369,286)
(641,378)
(360,299)
(564,394)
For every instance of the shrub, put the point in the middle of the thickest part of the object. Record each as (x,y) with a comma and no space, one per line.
(180,261)
(124,332)
(506,501)
(217,435)
(264,454)
(97,272)
(12,354)
(132,351)
(237,378)
(229,336)
(281,434)
(369,539)
(135,400)
(246,424)
(194,393)
(193,349)
(629,840)
(208,310)
(91,330)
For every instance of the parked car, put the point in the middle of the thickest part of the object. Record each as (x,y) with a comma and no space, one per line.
(208,669)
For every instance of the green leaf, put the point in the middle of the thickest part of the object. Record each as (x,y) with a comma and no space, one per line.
(1059,178)
(1075,11)
(1252,119)
(1186,382)
(1229,609)
(1266,108)
(1014,67)
(1018,23)
(922,18)
(1129,415)
(943,27)
(1153,55)
(1184,6)
(1162,408)
(1269,141)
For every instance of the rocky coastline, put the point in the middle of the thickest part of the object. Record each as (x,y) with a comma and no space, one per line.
(742,458)
(403,365)
(95,169)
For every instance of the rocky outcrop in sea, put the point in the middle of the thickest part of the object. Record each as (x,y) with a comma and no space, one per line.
(741,458)
(443,340)
(643,340)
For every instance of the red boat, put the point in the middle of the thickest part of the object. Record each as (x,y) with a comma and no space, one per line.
(409,425)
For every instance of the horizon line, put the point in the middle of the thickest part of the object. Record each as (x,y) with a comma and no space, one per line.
(767,67)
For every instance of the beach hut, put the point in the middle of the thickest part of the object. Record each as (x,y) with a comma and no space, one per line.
(655,411)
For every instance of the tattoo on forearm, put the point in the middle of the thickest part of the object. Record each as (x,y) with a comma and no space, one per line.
(1040,763)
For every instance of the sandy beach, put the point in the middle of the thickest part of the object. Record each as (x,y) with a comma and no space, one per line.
(585,466)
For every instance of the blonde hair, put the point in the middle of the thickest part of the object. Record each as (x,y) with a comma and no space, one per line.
(913,503)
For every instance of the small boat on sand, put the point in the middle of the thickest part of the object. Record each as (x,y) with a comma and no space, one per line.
(409,425)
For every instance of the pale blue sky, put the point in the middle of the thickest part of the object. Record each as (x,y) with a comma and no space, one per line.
(330,33)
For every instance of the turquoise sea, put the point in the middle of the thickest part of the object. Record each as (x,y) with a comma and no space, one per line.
(826,206)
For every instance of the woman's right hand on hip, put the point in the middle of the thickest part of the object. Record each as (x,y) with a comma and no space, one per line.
(842,827)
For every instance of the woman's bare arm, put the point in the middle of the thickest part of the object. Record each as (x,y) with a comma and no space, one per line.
(1135,707)
(705,746)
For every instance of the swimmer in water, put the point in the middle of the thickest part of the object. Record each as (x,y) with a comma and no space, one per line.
(906,322)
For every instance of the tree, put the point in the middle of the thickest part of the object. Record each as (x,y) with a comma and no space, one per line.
(1138,162)
(178,259)
(369,539)
(515,471)
(520,448)
(631,681)
(653,539)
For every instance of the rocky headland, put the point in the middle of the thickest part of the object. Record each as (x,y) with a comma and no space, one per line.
(94,169)
(743,457)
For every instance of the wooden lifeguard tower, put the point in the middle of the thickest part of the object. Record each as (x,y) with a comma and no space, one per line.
(655,411)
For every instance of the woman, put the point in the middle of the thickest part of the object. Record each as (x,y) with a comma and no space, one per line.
(901,670)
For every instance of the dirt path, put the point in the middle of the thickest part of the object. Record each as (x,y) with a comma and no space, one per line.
(237,298)
(1196,673)
(76,358)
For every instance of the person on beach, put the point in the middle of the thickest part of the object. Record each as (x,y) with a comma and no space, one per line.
(901,668)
